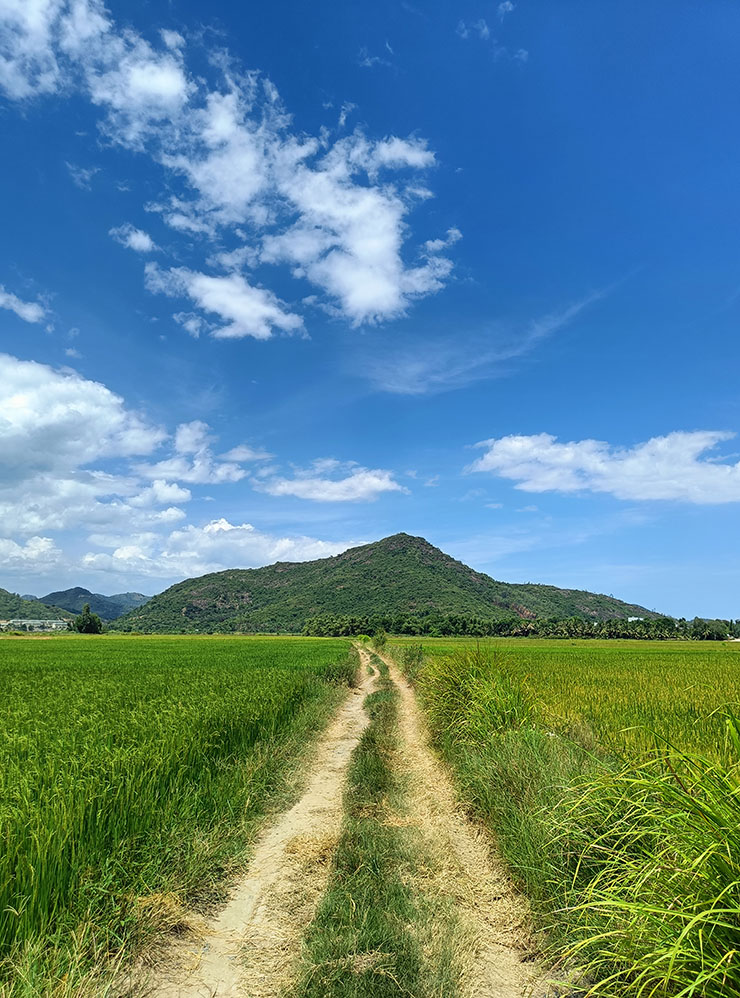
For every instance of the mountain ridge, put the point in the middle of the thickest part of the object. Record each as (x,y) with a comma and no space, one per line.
(400,574)
(106,607)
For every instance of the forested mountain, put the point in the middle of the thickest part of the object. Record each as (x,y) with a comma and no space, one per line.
(399,575)
(106,607)
(13,606)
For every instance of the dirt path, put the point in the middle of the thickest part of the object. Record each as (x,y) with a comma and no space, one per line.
(497,947)
(251,949)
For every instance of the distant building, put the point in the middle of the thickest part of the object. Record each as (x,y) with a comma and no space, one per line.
(17,624)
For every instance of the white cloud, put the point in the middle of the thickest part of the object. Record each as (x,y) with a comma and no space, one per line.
(28,65)
(38,554)
(172,39)
(505,8)
(52,420)
(214,547)
(435,245)
(191,322)
(29,311)
(193,461)
(132,238)
(330,212)
(671,467)
(246,310)
(160,492)
(70,460)
(53,426)
(357,484)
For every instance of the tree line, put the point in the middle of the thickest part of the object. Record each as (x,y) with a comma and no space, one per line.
(463,625)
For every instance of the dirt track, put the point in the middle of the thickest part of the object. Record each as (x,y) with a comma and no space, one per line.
(252,947)
(495,945)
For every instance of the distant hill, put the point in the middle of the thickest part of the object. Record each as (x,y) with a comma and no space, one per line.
(106,607)
(13,606)
(398,575)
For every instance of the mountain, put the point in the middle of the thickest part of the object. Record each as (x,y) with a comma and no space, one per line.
(13,606)
(398,575)
(106,607)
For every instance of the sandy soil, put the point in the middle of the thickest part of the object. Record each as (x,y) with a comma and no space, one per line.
(497,948)
(253,946)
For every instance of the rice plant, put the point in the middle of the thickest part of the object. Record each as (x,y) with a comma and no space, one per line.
(135,768)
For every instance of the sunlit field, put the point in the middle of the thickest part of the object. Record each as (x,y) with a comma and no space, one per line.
(609,775)
(134,769)
(620,694)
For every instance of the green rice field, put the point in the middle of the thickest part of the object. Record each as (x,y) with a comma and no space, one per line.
(609,775)
(620,695)
(135,769)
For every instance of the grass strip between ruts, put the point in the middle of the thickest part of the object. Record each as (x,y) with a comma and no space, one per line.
(372,934)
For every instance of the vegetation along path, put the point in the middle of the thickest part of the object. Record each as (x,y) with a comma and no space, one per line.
(256,945)
(495,948)
(252,946)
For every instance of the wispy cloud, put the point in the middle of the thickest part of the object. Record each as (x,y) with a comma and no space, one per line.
(368,61)
(481,30)
(442,365)
(29,311)
(82,176)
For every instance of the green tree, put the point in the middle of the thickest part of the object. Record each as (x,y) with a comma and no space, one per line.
(87,622)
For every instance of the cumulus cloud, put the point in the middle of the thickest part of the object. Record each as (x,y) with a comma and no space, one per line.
(350,483)
(672,467)
(193,460)
(132,238)
(29,311)
(38,554)
(53,420)
(214,547)
(159,492)
(335,214)
(244,309)
(71,461)
(55,430)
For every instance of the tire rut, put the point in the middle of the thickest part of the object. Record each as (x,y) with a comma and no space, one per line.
(496,945)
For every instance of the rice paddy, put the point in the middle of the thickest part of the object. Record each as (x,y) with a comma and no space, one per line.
(609,775)
(620,695)
(133,771)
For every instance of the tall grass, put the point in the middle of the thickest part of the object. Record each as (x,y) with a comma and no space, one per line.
(135,769)
(629,850)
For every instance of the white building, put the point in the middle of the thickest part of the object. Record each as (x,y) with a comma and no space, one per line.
(16,624)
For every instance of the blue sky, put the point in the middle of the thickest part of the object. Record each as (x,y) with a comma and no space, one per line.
(278,280)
